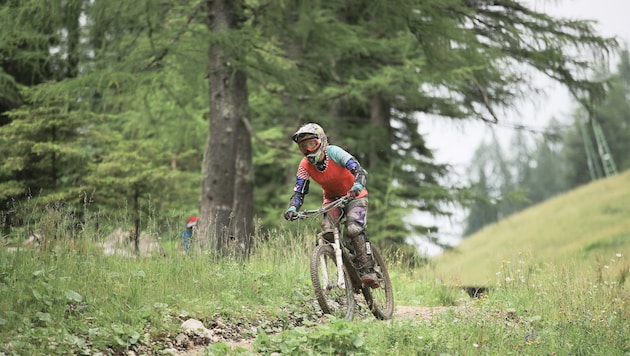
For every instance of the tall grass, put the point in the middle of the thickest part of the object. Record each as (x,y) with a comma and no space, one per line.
(533,310)
(73,301)
(67,297)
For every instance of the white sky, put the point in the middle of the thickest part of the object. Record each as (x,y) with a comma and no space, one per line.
(455,143)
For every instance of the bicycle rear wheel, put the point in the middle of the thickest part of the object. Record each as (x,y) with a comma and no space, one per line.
(332,298)
(380,299)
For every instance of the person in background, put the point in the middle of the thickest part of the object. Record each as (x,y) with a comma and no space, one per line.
(339,174)
(188,232)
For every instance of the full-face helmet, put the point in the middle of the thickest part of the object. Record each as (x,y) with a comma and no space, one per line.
(312,141)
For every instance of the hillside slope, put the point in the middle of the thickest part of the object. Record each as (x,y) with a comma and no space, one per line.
(582,228)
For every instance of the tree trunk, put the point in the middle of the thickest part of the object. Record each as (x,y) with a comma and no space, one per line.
(380,122)
(226,208)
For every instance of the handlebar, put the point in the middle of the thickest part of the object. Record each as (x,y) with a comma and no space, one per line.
(324,208)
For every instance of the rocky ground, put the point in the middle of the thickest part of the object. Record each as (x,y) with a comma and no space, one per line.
(231,335)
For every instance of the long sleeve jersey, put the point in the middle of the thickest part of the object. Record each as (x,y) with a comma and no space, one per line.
(336,178)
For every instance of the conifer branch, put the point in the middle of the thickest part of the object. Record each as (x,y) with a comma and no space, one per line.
(161,54)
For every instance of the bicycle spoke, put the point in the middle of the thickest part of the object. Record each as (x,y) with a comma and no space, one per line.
(324,275)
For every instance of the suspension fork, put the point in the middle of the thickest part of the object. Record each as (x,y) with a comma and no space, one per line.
(336,244)
(341,281)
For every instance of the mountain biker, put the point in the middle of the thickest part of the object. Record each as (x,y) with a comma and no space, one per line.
(339,174)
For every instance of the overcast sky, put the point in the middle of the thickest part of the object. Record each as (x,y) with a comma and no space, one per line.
(455,144)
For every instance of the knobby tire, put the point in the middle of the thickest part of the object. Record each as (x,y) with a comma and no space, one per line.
(331,299)
(380,300)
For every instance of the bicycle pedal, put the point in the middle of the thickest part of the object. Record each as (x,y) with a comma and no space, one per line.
(375,285)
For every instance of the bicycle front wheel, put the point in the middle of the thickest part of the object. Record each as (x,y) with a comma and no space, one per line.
(380,296)
(333,298)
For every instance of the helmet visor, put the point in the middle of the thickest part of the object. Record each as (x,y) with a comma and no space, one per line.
(309,146)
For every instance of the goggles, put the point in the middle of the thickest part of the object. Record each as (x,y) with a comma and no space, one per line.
(309,146)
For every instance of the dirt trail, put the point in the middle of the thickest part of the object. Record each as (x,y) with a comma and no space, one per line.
(400,312)
(419,313)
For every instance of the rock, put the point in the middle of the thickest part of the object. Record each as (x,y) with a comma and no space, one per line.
(196,327)
(183,341)
(122,243)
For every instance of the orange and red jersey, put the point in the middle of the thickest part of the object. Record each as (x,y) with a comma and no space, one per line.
(334,175)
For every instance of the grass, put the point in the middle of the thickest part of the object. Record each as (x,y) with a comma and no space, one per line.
(588,226)
(68,298)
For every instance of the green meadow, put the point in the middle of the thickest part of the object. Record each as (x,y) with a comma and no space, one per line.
(586,230)
(555,279)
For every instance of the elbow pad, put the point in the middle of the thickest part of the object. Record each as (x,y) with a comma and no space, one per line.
(360,174)
(297,199)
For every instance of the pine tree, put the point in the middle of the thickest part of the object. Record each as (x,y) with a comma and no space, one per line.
(366,70)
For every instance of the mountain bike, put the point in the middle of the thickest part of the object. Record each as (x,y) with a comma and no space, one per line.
(335,277)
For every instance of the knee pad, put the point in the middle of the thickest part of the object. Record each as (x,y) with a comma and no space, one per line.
(354,229)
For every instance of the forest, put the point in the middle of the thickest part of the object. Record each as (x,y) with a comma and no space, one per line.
(539,164)
(123,112)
